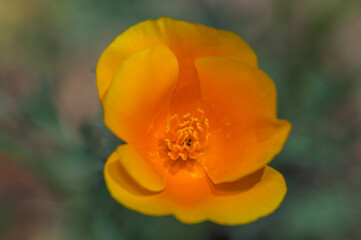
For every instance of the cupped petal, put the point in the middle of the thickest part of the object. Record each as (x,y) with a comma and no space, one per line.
(187,41)
(235,92)
(137,102)
(240,103)
(191,197)
(148,170)
(234,153)
(128,192)
(248,202)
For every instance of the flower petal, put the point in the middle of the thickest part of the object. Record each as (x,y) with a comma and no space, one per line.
(233,154)
(138,99)
(248,203)
(186,40)
(192,197)
(240,103)
(125,190)
(148,170)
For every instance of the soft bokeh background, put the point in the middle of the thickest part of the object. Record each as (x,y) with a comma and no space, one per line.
(53,143)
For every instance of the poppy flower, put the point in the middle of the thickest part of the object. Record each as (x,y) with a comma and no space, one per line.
(199,121)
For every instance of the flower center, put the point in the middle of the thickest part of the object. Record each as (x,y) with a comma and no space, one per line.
(187,136)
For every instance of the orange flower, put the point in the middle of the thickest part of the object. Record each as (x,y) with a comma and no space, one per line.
(200,123)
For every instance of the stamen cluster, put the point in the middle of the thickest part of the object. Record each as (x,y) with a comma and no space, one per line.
(187,136)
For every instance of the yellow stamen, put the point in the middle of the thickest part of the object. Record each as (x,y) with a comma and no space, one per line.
(187,138)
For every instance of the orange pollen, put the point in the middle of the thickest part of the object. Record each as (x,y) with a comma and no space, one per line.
(186,137)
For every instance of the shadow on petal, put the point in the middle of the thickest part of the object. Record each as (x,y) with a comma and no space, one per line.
(122,178)
(242,185)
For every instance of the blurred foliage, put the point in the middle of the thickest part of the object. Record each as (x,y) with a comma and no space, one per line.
(53,143)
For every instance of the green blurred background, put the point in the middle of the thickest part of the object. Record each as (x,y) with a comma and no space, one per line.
(53,143)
